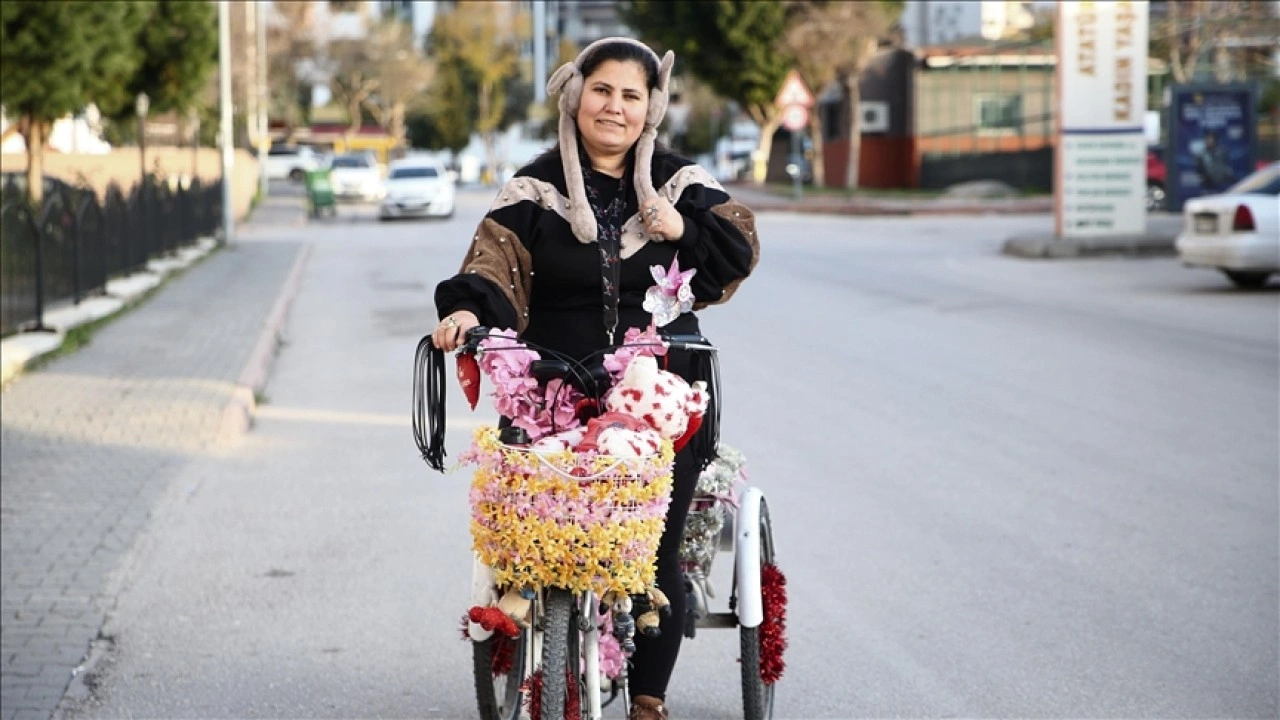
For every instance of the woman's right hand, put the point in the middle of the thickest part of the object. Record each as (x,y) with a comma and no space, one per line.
(452,330)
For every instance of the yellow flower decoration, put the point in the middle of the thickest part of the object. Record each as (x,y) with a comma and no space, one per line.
(569,521)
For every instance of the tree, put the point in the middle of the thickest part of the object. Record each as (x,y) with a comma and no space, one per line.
(354,79)
(1189,29)
(451,103)
(293,62)
(178,43)
(835,41)
(702,126)
(731,45)
(403,74)
(58,57)
(476,44)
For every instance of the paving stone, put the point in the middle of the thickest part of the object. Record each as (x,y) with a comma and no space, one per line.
(92,440)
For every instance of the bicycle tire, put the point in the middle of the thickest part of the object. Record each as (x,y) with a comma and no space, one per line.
(498,697)
(757,697)
(559,639)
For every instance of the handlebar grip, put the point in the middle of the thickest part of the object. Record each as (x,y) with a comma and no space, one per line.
(687,342)
(473,338)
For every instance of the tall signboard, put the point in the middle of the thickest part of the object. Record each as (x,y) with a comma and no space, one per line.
(1102,101)
(1212,139)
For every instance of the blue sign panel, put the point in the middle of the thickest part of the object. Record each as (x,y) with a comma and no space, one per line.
(1212,140)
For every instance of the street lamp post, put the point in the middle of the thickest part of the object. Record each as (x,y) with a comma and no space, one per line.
(193,116)
(226,137)
(142,105)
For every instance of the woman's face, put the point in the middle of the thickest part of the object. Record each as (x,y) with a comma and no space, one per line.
(615,100)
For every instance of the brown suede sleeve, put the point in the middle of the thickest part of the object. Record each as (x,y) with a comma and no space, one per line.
(741,217)
(497,255)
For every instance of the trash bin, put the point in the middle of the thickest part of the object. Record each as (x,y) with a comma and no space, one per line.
(320,192)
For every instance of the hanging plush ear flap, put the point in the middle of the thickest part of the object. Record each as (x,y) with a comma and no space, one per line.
(560,77)
(567,81)
(658,98)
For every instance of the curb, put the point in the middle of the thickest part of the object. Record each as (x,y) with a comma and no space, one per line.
(1050,246)
(237,416)
(899,210)
(18,352)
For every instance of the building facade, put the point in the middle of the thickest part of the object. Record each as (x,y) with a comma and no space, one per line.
(933,22)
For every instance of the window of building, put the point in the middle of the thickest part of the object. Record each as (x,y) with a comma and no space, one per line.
(997,114)
(397,8)
(831,114)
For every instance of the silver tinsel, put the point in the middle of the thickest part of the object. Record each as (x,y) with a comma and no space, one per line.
(717,488)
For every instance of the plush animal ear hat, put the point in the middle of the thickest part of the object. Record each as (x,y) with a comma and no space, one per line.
(568,82)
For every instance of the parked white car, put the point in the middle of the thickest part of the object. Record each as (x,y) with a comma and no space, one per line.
(291,161)
(1237,232)
(356,177)
(418,188)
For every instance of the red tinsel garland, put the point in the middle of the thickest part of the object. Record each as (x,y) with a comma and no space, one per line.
(532,689)
(504,653)
(773,631)
(572,698)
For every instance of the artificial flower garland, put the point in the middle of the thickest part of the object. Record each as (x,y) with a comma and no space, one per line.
(568,520)
(717,489)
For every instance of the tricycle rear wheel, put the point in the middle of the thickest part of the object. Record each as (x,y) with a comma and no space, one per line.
(757,696)
(498,695)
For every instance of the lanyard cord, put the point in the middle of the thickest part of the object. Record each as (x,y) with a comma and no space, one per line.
(609,224)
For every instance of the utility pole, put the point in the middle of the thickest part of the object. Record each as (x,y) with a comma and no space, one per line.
(226,133)
(539,51)
(264,138)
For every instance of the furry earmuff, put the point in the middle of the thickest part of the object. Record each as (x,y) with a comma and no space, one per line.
(567,81)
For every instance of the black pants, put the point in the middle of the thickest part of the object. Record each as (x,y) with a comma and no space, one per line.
(655,658)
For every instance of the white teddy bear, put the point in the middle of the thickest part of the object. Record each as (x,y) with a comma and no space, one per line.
(665,401)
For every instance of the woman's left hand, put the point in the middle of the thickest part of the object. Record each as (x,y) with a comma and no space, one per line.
(661,218)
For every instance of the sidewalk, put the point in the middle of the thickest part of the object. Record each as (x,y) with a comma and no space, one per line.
(764,199)
(1158,240)
(92,441)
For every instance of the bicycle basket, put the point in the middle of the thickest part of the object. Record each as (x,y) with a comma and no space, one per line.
(570,521)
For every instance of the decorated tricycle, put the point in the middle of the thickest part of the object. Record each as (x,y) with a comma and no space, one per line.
(568,502)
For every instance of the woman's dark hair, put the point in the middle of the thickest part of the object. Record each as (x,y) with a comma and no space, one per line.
(623,52)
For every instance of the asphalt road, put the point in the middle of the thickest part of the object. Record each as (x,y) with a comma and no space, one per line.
(1000,488)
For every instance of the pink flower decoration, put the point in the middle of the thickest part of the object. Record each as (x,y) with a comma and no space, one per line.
(506,362)
(616,362)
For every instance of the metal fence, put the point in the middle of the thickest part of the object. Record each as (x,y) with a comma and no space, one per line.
(74,243)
